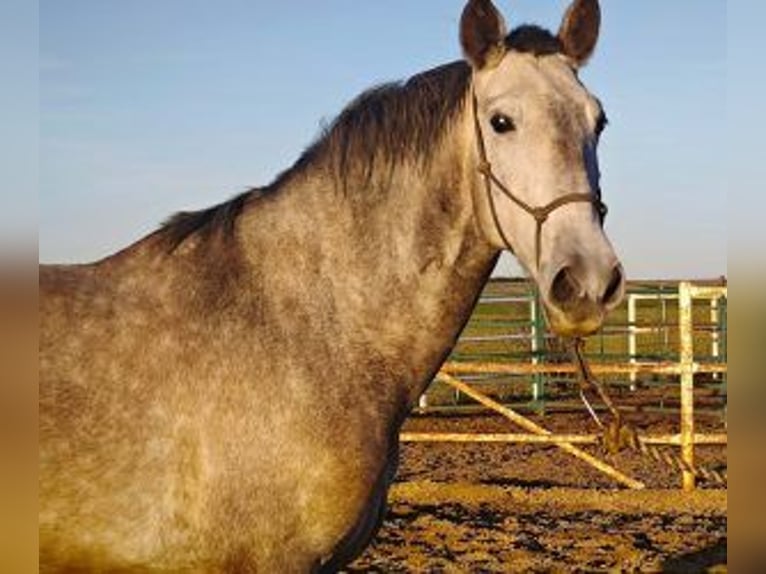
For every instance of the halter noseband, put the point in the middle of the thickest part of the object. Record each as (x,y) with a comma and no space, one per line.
(540,214)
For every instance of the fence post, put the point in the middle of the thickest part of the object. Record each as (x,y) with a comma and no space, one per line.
(537,343)
(714,333)
(685,325)
(725,354)
(632,337)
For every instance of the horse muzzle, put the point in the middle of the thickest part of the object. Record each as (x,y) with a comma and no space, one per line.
(579,297)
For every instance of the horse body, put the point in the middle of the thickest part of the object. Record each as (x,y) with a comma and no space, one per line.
(220,424)
(226,394)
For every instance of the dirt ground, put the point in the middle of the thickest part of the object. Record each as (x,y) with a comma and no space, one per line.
(532,508)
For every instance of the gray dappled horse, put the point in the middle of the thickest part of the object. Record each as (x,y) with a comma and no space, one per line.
(226,393)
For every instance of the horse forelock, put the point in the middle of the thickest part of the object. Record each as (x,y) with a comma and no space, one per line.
(530,39)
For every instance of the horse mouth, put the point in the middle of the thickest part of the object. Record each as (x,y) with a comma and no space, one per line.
(574,329)
(580,321)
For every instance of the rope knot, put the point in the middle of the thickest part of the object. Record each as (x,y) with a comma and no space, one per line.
(484,168)
(540,214)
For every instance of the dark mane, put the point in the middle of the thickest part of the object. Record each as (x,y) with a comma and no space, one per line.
(396,122)
(389,124)
(381,128)
(217,219)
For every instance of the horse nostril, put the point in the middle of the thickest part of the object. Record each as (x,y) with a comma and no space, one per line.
(565,288)
(614,289)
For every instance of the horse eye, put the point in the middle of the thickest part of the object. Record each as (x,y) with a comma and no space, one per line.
(502,124)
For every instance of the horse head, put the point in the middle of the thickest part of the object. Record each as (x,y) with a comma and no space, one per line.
(537,129)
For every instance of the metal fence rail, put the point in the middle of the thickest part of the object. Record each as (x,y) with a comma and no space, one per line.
(640,339)
(680,365)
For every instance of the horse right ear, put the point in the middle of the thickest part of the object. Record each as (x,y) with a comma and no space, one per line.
(482,34)
(579,30)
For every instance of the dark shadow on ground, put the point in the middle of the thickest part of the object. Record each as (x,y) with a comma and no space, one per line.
(699,561)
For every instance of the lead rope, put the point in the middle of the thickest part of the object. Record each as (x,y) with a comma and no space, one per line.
(618,435)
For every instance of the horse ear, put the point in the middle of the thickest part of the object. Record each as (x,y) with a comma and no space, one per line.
(579,30)
(482,34)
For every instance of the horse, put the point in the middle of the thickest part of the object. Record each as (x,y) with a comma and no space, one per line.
(226,393)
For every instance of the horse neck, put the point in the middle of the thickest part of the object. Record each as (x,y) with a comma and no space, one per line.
(402,268)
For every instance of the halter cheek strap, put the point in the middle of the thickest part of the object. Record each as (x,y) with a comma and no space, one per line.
(540,214)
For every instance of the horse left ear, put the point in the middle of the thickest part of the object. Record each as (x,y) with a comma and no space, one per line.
(482,34)
(579,30)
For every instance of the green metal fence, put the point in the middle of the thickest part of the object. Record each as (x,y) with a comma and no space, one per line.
(508,326)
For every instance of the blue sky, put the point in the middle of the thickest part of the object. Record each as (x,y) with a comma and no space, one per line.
(148,107)
(19,132)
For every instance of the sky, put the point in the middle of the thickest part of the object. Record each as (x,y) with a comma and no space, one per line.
(19,132)
(148,108)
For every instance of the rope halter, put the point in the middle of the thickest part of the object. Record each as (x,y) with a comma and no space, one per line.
(540,214)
